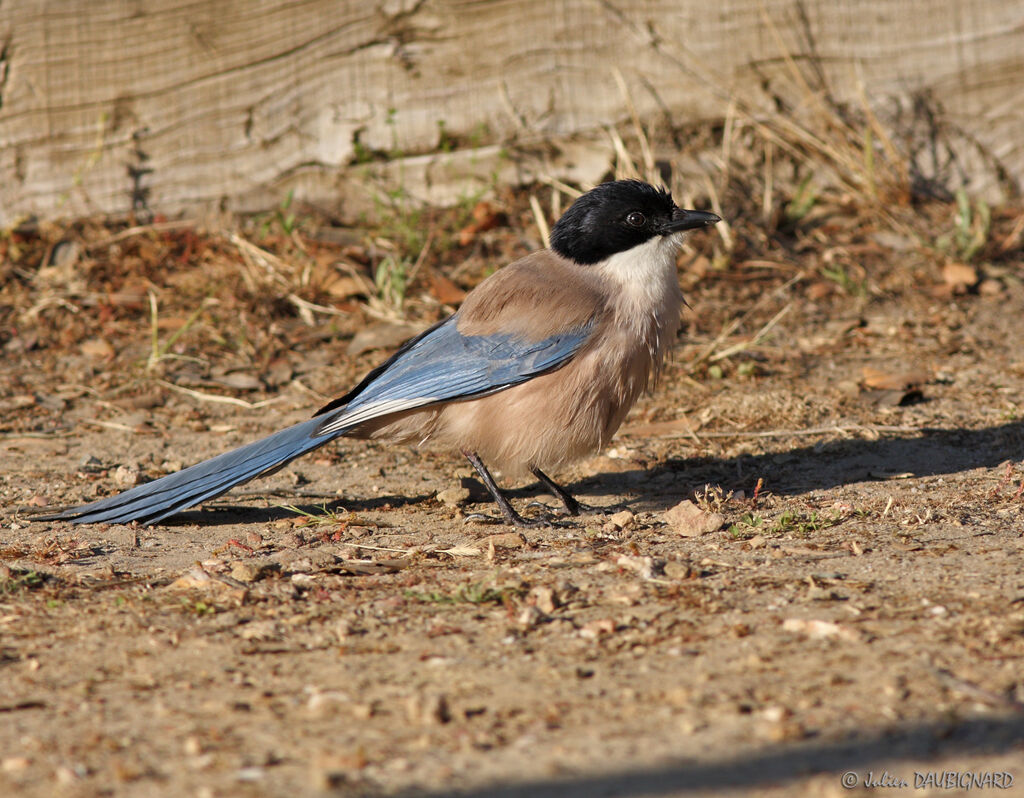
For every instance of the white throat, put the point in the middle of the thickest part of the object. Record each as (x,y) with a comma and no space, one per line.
(645,280)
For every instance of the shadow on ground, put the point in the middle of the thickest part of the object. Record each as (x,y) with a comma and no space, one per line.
(778,765)
(932,452)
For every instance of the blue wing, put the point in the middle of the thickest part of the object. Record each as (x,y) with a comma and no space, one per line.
(444,365)
(440,365)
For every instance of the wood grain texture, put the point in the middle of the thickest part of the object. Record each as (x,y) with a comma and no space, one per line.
(172,105)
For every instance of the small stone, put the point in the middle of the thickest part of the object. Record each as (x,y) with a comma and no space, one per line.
(530,617)
(259,630)
(688,520)
(990,287)
(679,697)
(245,571)
(678,570)
(543,598)
(126,476)
(429,710)
(364,711)
(598,628)
(453,496)
(332,771)
(959,277)
(505,540)
(325,704)
(819,630)
(623,519)
(645,567)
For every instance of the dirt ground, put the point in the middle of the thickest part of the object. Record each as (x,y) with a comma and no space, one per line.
(848,398)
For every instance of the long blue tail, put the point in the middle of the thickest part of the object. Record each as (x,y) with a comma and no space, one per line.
(154,501)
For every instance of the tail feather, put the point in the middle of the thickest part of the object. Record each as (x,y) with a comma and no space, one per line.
(163,497)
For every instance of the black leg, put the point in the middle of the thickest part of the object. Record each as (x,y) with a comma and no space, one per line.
(510,515)
(572,506)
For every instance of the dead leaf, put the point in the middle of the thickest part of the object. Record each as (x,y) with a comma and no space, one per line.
(445,290)
(893,381)
(97,348)
(485,217)
(959,277)
(384,335)
(345,286)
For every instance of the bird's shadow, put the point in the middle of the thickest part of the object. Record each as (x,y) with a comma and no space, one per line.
(285,506)
(930,452)
(852,761)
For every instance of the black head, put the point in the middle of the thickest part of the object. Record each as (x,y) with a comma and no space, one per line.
(617,216)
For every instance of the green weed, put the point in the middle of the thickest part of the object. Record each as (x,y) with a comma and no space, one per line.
(18,581)
(161,351)
(971,229)
(802,202)
(791,522)
(474,593)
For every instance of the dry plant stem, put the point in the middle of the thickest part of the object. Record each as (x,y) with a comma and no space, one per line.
(542,224)
(108,425)
(313,307)
(131,232)
(565,188)
(723,228)
(978,693)
(641,135)
(218,399)
(260,262)
(424,251)
(709,351)
(744,345)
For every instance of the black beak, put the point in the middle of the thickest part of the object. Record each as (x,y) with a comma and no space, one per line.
(689,220)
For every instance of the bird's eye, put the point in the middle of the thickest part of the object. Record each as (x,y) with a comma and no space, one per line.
(636,219)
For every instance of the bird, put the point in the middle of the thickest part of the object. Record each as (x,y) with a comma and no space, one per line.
(538,367)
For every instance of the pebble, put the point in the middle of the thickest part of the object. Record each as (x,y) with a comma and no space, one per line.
(624,519)
(506,540)
(530,617)
(595,629)
(453,496)
(688,520)
(429,709)
(543,598)
(127,476)
(645,567)
(245,571)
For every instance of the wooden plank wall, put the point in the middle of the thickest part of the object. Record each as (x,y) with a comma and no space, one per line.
(173,105)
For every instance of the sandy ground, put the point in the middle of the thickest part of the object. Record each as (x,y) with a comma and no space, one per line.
(860,612)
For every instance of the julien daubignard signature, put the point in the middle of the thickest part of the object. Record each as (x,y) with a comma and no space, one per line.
(933,779)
